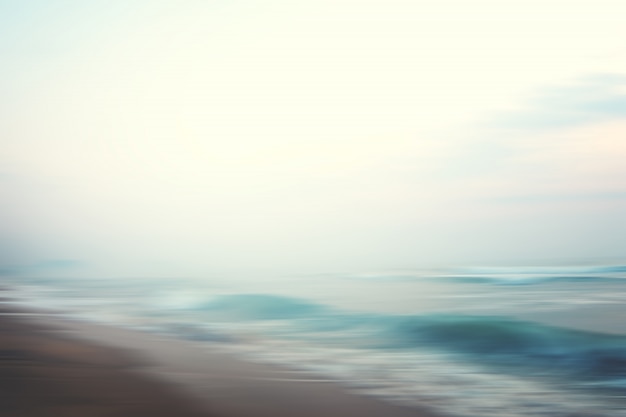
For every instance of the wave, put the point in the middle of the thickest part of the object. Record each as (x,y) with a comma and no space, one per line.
(513,275)
(492,340)
(258,307)
(552,270)
(535,275)
(497,340)
(518,368)
(501,340)
(527,279)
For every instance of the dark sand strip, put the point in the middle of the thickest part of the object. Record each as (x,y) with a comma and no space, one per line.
(46,374)
(234,387)
(91,370)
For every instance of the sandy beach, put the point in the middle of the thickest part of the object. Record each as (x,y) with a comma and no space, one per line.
(46,373)
(59,367)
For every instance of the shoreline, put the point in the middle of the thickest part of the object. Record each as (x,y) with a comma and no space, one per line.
(194,378)
(44,373)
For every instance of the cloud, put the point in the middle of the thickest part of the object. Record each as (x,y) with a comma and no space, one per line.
(565,128)
(592,99)
(568,166)
(614,197)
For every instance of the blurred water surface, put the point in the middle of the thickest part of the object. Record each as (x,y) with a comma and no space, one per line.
(515,341)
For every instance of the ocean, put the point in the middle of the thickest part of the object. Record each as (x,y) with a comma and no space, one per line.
(466,342)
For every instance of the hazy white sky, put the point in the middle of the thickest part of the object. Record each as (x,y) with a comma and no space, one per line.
(152,137)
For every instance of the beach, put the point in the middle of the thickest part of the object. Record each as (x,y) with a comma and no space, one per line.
(46,373)
(395,348)
(53,366)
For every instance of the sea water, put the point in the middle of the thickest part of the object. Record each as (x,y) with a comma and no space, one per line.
(479,342)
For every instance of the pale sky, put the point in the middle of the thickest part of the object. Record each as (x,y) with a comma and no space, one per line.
(189,138)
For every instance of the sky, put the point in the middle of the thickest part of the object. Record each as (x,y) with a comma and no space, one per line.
(191,138)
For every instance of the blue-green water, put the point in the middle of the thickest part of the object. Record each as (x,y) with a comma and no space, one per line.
(468,342)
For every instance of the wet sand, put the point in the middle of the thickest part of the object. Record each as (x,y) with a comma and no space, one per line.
(43,373)
(58,367)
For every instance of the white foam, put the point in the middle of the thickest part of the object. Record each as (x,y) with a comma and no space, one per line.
(431,379)
(410,378)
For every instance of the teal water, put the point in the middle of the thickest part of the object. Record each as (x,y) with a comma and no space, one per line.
(467,342)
